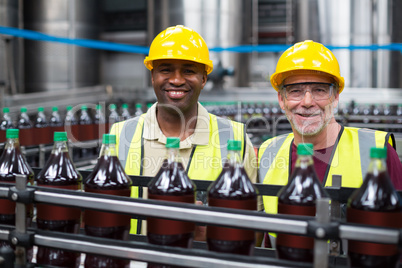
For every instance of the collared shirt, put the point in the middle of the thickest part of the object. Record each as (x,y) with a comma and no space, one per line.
(155,141)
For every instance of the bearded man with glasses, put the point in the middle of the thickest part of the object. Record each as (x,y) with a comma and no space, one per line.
(308,82)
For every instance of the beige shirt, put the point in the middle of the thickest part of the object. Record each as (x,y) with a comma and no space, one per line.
(155,141)
(155,151)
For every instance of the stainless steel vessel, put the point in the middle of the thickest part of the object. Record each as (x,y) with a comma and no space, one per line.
(55,66)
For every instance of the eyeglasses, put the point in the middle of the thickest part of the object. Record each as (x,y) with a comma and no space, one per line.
(319,91)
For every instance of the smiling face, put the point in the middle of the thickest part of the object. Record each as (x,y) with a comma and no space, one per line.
(308,117)
(178,83)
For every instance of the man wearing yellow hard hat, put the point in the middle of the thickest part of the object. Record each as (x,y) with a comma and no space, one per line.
(179,63)
(308,82)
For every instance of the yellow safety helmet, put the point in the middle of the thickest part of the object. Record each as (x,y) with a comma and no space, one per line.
(181,43)
(307,56)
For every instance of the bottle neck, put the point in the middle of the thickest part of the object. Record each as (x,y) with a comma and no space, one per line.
(60,147)
(173,155)
(303,161)
(376,166)
(12,143)
(233,158)
(108,150)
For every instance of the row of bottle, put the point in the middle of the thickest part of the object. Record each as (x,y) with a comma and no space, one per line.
(80,123)
(376,203)
(108,177)
(232,189)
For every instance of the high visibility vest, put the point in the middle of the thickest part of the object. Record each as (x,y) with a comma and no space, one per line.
(205,161)
(350,159)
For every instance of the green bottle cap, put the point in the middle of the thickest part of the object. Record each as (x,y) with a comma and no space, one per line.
(60,136)
(69,108)
(124,105)
(305,149)
(41,109)
(234,145)
(98,107)
(6,110)
(378,152)
(149,105)
(109,139)
(84,107)
(112,106)
(172,142)
(55,109)
(24,109)
(138,105)
(12,133)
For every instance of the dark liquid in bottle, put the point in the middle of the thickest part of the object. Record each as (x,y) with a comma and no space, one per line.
(242,195)
(113,181)
(369,209)
(25,126)
(292,201)
(57,218)
(179,189)
(179,233)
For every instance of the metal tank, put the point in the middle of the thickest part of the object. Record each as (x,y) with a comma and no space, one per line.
(9,47)
(221,23)
(54,66)
(355,22)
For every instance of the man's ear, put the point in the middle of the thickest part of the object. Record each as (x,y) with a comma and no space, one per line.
(204,79)
(281,100)
(152,76)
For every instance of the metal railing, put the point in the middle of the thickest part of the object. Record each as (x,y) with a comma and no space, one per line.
(319,227)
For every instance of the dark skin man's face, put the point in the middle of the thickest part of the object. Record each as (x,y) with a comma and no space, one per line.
(178,83)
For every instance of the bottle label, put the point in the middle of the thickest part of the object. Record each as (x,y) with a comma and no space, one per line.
(58,213)
(26,138)
(106,219)
(86,132)
(231,234)
(296,210)
(295,241)
(42,135)
(384,219)
(170,227)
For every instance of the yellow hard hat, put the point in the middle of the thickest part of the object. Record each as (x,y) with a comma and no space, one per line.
(307,56)
(180,43)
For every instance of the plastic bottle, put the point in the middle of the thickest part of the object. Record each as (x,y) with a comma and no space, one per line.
(171,184)
(12,163)
(232,189)
(41,128)
(125,113)
(6,123)
(58,172)
(55,121)
(107,177)
(399,120)
(25,126)
(299,197)
(113,116)
(86,128)
(138,109)
(374,203)
(71,124)
(100,122)
(149,105)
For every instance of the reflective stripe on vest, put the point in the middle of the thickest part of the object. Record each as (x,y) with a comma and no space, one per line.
(350,159)
(206,162)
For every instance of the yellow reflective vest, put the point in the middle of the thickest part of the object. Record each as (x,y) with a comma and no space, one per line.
(350,159)
(130,150)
